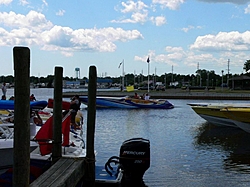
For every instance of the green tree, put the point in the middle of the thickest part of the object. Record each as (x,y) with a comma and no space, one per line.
(247,66)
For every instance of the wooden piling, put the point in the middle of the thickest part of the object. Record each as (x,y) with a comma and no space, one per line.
(57,113)
(89,178)
(21,158)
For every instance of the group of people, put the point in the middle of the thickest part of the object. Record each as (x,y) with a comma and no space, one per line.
(4,90)
(4,97)
(144,96)
(32,97)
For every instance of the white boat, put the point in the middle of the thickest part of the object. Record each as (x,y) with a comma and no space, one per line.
(6,145)
(7,131)
(6,152)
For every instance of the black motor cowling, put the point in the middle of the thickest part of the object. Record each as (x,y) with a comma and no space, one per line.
(134,159)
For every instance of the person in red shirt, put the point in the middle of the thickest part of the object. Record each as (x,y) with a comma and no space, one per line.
(32,97)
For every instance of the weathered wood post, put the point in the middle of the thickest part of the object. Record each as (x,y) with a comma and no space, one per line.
(57,113)
(89,178)
(22,116)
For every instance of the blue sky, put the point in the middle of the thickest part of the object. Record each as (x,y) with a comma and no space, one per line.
(178,35)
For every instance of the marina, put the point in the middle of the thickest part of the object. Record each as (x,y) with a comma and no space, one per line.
(185,149)
(168,94)
(168,107)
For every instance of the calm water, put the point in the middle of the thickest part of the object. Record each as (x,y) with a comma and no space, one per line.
(185,150)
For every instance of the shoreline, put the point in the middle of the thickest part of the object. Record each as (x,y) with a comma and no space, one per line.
(171,94)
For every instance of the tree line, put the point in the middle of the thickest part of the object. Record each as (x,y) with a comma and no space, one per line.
(202,77)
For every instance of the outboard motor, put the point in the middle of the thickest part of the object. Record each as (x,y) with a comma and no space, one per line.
(134,161)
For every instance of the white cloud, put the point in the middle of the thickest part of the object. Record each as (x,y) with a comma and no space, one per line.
(138,13)
(60,13)
(137,10)
(178,57)
(136,17)
(171,4)
(23,2)
(35,29)
(33,20)
(186,29)
(223,41)
(171,49)
(45,3)
(159,20)
(247,10)
(5,2)
(139,17)
(131,6)
(172,56)
(190,27)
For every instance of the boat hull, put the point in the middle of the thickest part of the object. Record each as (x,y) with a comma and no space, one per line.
(239,115)
(128,103)
(7,152)
(244,126)
(219,121)
(213,115)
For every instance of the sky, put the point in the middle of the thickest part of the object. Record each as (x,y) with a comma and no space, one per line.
(178,36)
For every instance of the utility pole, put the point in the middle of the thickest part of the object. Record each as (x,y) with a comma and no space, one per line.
(228,72)
(222,80)
(172,76)
(148,60)
(123,75)
(198,72)
(142,75)
(155,77)
(165,80)
(134,77)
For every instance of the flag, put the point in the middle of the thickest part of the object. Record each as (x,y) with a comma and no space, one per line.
(45,134)
(120,64)
(66,129)
(148,60)
(130,88)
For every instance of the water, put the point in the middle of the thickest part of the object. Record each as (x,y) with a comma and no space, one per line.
(185,149)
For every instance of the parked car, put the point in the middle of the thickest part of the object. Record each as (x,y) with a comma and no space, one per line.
(160,87)
(223,85)
(145,88)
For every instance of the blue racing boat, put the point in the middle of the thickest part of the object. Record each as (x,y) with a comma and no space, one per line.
(128,103)
(10,105)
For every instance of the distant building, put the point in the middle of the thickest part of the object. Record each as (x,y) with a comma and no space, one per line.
(71,84)
(101,83)
(240,83)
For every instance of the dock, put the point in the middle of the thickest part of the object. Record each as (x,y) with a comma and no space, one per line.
(65,172)
(172,94)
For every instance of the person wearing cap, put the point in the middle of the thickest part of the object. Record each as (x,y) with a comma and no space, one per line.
(74,106)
